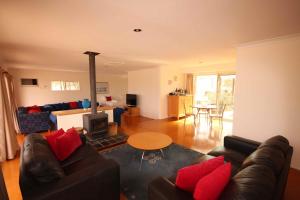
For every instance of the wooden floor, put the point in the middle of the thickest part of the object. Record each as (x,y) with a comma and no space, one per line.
(200,138)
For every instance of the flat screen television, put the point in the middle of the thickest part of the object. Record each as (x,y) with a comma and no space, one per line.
(131,100)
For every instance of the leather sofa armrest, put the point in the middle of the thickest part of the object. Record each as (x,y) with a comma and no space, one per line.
(98,181)
(163,189)
(240,144)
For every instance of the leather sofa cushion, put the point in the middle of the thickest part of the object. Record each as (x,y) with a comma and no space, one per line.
(253,182)
(78,160)
(39,161)
(277,142)
(270,157)
(79,154)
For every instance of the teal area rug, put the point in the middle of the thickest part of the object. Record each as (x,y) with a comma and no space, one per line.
(134,182)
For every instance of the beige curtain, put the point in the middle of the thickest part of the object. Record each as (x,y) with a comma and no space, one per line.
(189,83)
(8,120)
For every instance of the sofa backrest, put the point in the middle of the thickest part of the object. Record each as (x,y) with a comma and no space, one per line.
(263,174)
(253,182)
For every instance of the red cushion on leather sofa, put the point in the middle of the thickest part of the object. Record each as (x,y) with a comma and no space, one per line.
(73,105)
(188,177)
(211,186)
(51,139)
(67,143)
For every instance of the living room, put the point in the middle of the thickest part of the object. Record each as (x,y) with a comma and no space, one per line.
(177,87)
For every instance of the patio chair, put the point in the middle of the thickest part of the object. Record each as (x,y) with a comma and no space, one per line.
(188,114)
(217,113)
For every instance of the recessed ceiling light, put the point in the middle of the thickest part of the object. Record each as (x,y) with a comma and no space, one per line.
(137,30)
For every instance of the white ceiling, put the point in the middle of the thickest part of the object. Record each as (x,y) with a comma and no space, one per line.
(53,34)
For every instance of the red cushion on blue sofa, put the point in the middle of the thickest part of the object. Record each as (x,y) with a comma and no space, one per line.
(67,143)
(51,139)
(188,177)
(33,109)
(73,105)
(211,186)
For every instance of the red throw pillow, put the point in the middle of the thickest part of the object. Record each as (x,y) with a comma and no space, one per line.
(51,139)
(108,98)
(33,109)
(67,144)
(73,105)
(211,186)
(188,177)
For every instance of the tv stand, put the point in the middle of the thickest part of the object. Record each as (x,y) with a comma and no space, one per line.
(133,111)
(130,106)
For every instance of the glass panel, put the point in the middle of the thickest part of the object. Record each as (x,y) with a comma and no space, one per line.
(206,89)
(57,85)
(72,86)
(226,94)
(62,85)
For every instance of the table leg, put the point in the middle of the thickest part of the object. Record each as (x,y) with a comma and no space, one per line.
(142,160)
(162,153)
(198,113)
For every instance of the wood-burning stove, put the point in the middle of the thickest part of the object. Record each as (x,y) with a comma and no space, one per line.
(94,123)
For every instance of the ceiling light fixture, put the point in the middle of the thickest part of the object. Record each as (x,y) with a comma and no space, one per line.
(137,30)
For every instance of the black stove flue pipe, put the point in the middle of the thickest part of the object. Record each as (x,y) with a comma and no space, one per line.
(92,71)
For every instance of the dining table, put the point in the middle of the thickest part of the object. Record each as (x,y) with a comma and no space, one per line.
(206,107)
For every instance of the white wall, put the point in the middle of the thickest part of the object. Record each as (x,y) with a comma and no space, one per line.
(217,68)
(152,86)
(27,96)
(267,96)
(176,78)
(117,86)
(146,84)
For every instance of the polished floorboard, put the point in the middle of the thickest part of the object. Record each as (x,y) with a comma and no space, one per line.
(200,137)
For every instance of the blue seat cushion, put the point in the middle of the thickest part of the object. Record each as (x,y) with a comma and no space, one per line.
(65,106)
(80,104)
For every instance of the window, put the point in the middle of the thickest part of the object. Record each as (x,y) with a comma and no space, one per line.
(72,85)
(65,85)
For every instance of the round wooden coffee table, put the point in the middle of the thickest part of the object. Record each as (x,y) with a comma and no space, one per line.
(149,141)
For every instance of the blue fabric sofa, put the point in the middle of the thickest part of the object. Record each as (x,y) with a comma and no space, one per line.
(33,122)
(44,120)
(40,121)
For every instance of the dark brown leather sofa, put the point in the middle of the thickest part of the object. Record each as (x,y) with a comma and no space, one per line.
(259,171)
(84,175)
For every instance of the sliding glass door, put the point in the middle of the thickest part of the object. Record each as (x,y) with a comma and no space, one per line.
(215,89)
(206,89)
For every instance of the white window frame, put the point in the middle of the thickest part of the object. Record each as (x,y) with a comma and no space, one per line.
(65,86)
